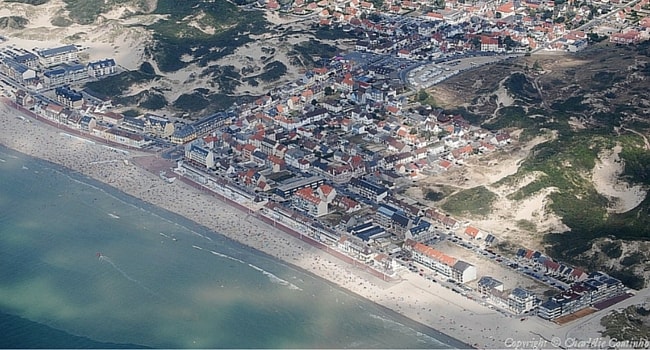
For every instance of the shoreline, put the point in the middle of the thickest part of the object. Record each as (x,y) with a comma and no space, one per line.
(137,182)
(461,323)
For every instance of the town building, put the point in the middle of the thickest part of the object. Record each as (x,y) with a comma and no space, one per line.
(443,264)
(69,97)
(18,71)
(288,189)
(64,74)
(598,287)
(122,136)
(368,189)
(198,154)
(58,55)
(521,301)
(486,284)
(97,69)
(307,200)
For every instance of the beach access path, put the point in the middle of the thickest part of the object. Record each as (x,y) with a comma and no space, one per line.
(411,295)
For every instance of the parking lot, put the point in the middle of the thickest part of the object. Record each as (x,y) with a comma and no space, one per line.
(434,73)
(488,264)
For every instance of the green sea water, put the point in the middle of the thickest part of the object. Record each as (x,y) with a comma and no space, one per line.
(85,266)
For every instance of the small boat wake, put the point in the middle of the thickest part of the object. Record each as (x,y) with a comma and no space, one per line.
(273,278)
(227,257)
(103,258)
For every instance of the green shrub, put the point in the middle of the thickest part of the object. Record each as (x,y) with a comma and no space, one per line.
(632,259)
(61,21)
(13,22)
(612,249)
(476,201)
(191,102)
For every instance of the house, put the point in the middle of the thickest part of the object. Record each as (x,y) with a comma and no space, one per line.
(18,71)
(505,10)
(626,38)
(87,123)
(23,98)
(490,44)
(277,164)
(52,111)
(500,139)
(348,204)
(473,232)
(111,118)
(101,68)
(305,199)
(445,164)
(444,219)
(157,125)
(69,97)
(486,284)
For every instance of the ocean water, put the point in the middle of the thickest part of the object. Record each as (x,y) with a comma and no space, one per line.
(85,266)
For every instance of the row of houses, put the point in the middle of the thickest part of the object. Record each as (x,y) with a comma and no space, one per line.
(111,126)
(551,267)
(441,263)
(597,287)
(51,67)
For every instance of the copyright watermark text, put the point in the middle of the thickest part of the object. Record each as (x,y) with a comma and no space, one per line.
(576,343)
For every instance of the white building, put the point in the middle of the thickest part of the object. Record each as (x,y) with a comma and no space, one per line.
(521,301)
(444,264)
(101,68)
(58,55)
(197,153)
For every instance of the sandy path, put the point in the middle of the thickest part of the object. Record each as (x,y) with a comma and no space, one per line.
(607,182)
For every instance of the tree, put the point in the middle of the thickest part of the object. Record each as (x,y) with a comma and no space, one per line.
(476,42)
(329,91)
(422,95)
(509,43)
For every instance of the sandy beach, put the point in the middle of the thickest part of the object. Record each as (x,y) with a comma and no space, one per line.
(411,295)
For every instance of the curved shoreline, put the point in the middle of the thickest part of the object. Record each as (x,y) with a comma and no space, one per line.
(410,295)
(202,229)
